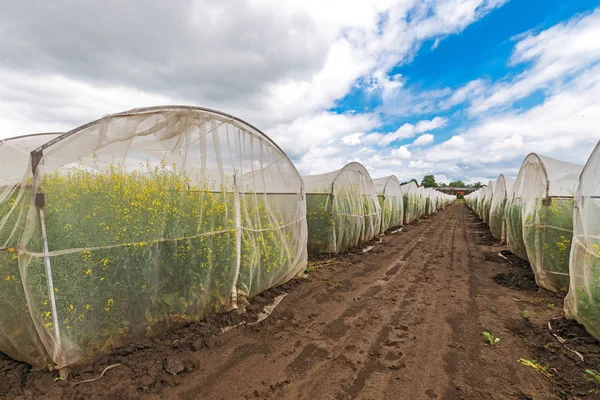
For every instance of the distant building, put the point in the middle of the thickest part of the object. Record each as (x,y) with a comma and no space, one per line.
(456,190)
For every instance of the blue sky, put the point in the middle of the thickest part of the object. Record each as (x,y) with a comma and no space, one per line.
(482,50)
(463,89)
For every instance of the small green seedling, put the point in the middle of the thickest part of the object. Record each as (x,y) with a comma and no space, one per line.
(493,309)
(525,314)
(595,376)
(491,339)
(550,305)
(57,378)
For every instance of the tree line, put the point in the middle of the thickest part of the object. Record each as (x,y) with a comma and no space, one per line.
(429,181)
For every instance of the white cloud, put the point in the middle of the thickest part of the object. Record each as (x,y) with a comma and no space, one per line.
(306,133)
(401,152)
(556,54)
(423,140)
(564,126)
(407,131)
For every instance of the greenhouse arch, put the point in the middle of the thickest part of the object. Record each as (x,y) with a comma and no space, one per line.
(161,215)
(410,192)
(14,201)
(539,217)
(342,209)
(497,221)
(581,302)
(391,202)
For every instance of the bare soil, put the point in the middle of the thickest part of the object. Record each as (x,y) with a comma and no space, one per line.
(401,321)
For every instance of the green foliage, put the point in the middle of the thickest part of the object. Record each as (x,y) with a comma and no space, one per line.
(429,181)
(595,377)
(525,314)
(547,237)
(345,222)
(142,251)
(490,338)
(409,181)
(458,183)
(514,228)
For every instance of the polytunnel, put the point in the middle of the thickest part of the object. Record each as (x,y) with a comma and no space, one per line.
(342,209)
(481,200)
(411,202)
(497,221)
(540,217)
(149,219)
(583,300)
(487,201)
(391,202)
(430,201)
(18,335)
(422,201)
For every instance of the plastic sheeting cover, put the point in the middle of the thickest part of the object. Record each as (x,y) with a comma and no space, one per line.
(18,335)
(411,202)
(496,220)
(342,209)
(150,219)
(583,300)
(391,202)
(541,209)
(487,201)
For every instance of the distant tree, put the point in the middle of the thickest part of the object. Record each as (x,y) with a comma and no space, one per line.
(442,184)
(429,181)
(477,185)
(412,180)
(458,183)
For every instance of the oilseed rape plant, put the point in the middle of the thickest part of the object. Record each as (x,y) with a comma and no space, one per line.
(134,252)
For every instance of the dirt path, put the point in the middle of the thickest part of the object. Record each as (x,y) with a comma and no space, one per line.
(403,321)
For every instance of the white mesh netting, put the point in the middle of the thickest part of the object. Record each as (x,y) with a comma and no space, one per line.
(539,217)
(148,219)
(18,335)
(583,300)
(410,192)
(487,201)
(391,202)
(496,220)
(342,209)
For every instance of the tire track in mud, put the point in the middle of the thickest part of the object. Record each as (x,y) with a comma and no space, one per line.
(365,360)
(354,325)
(407,311)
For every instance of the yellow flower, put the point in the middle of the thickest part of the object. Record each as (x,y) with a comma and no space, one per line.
(15,257)
(88,272)
(109,303)
(10,278)
(70,308)
(11,249)
(56,289)
(48,324)
(87,307)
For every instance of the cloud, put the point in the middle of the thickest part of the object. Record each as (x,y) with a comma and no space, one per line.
(564,126)
(409,130)
(316,130)
(555,54)
(401,152)
(423,140)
